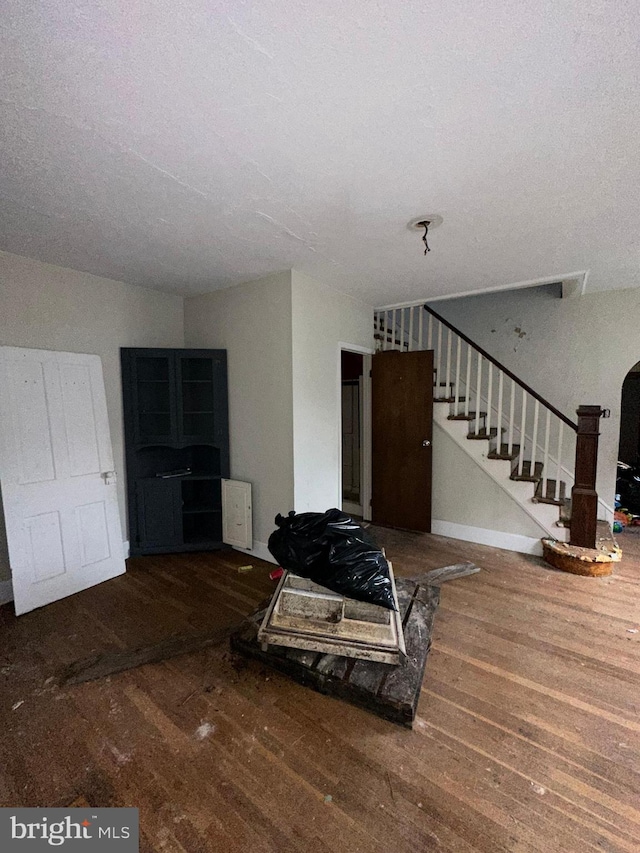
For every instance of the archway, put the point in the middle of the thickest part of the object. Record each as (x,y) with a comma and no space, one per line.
(628,475)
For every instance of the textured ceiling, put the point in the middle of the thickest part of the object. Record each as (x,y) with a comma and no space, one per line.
(193,145)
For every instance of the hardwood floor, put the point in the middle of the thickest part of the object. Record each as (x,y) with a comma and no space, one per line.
(527,737)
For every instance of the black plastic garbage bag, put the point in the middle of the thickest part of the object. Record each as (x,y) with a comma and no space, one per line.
(332,550)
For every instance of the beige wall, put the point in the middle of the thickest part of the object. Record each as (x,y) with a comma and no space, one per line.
(323,319)
(48,307)
(282,335)
(572,351)
(253,323)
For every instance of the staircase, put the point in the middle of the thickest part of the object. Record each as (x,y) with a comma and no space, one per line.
(526,445)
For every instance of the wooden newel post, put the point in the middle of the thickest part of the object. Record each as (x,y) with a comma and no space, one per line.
(584,498)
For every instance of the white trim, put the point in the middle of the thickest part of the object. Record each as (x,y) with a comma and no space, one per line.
(6,592)
(126,552)
(579,275)
(575,287)
(494,538)
(260,551)
(356,348)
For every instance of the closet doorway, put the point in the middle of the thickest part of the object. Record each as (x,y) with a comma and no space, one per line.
(355,389)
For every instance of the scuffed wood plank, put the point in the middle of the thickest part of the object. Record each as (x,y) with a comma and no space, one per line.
(369,676)
(302,656)
(402,686)
(436,577)
(333,665)
(110,663)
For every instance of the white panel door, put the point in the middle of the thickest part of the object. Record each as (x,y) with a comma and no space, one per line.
(236,514)
(56,474)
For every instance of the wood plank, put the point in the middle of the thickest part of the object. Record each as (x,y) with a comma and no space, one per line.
(110,663)
(436,577)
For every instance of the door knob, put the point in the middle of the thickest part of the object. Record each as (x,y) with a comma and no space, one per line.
(426,443)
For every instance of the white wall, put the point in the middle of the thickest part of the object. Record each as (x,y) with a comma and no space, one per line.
(572,351)
(48,307)
(253,323)
(322,320)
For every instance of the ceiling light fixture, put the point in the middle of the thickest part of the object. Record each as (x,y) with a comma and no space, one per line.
(429,221)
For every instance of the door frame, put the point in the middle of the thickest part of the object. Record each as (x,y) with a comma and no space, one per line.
(365,425)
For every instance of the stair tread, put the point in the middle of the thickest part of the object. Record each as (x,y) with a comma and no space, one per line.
(548,496)
(483,434)
(527,475)
(470,417)
(504,453)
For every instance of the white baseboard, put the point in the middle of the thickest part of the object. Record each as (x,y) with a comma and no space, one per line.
(6,592)
(125,548)
(259,550)
(481,536)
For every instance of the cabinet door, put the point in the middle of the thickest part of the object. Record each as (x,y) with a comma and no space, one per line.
(154,397)
(202,397)
(158,513)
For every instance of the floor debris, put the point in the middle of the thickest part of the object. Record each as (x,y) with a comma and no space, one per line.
(204,731)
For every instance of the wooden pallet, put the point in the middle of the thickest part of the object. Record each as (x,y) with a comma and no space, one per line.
(389,691)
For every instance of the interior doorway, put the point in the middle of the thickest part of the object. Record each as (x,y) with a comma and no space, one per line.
(627,516)
(402,423)
(352,389)
(629,447)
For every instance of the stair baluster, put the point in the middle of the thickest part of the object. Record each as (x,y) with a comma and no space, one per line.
(478,394)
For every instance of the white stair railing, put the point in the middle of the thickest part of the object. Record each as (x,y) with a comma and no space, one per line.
(519,424)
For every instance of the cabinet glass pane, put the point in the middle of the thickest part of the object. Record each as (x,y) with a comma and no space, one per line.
(197,369)
(154,396)
(200,424)
(153,424)
(197,396)
(152,368)
(198,403)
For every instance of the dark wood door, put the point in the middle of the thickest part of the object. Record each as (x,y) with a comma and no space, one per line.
(402,423)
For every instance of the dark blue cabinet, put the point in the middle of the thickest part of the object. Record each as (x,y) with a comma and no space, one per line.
(177,447)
